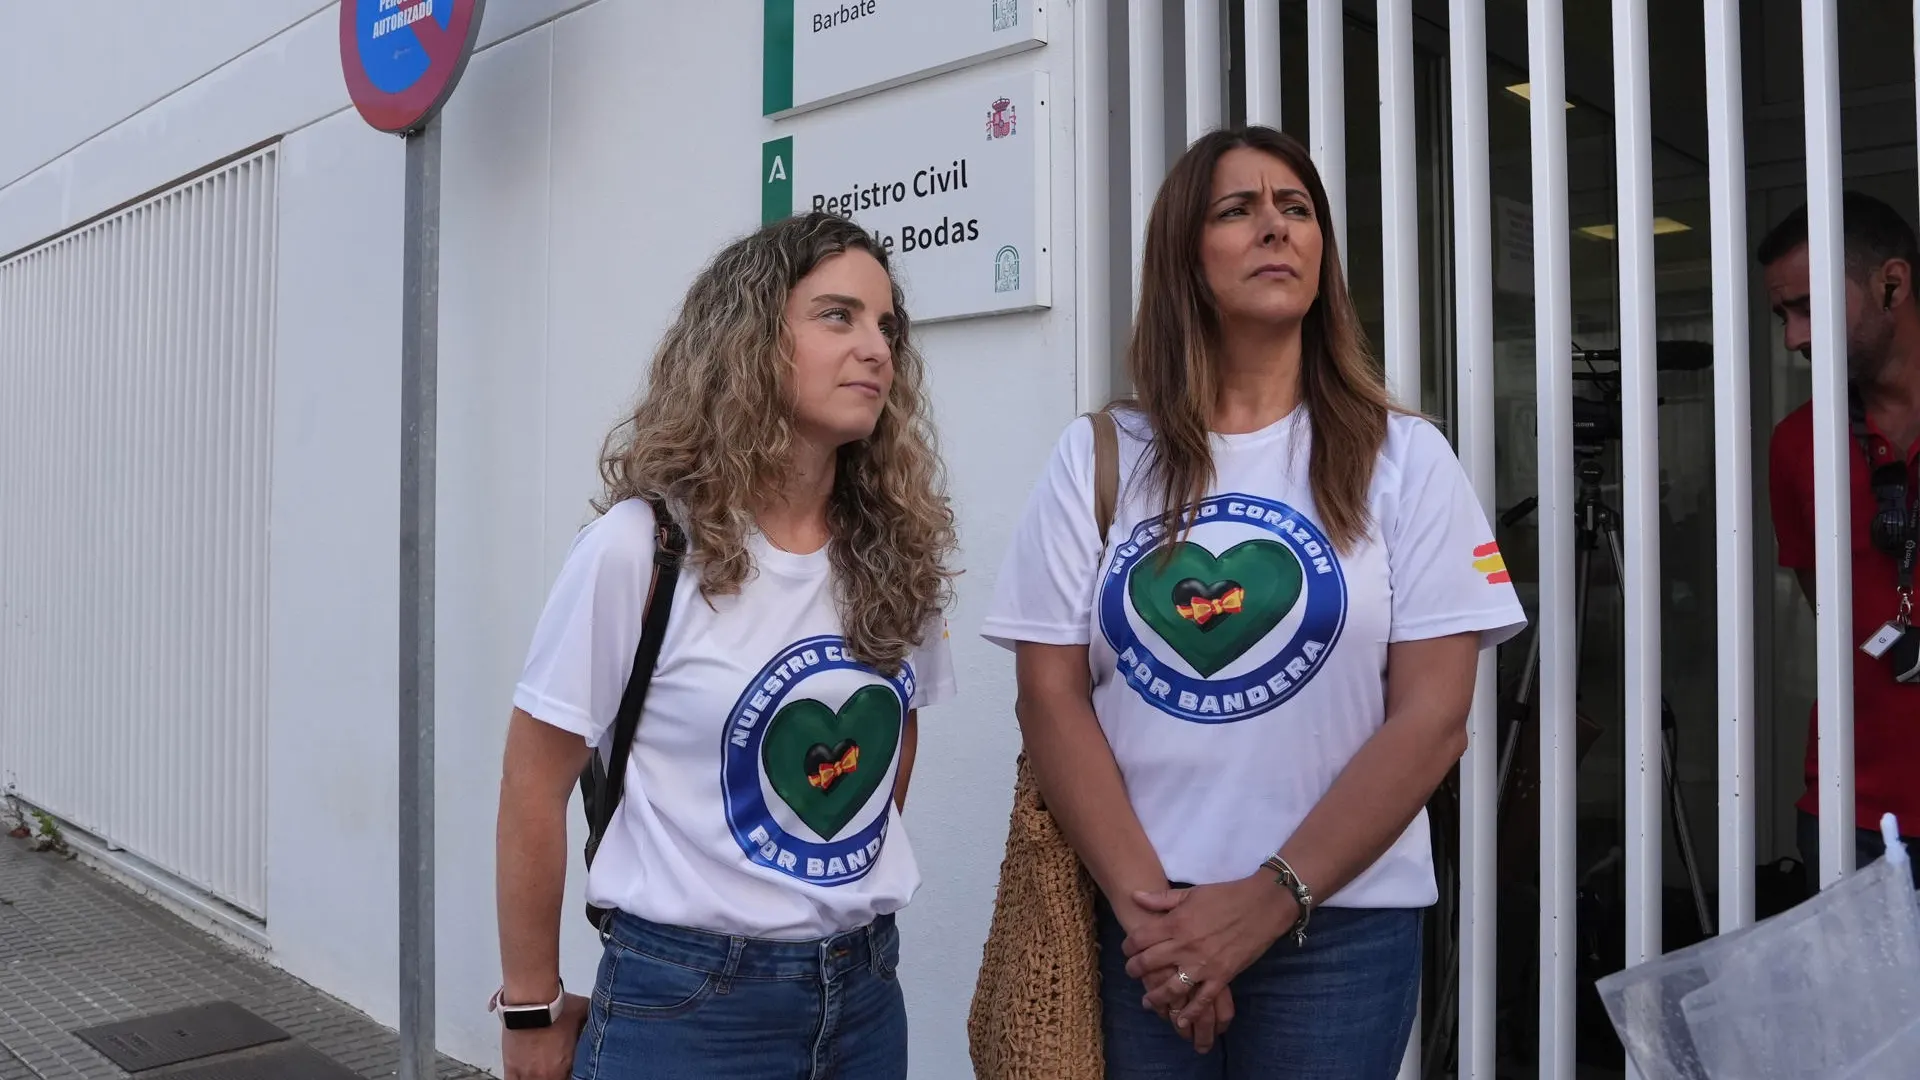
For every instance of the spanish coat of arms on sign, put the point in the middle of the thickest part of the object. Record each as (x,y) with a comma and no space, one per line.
(1000,120)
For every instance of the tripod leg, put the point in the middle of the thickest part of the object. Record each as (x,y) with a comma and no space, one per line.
(1440,1038)
(1439,1042)
(1581,568)
(1522,697)
(1532,668)
(1506,760)
(1669,740)
(1683,832)
(1508,747)
(1582,586)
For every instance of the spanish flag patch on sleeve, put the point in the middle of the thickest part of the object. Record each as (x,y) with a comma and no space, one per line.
(1487,560)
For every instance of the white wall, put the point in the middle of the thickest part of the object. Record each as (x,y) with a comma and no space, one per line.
(333,670)
(141,102)
(73,69)
(595,155)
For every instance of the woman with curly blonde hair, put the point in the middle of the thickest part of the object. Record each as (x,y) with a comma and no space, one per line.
(747,877)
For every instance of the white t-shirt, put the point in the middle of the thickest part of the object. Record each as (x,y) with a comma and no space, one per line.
(1235,682)
(759,790)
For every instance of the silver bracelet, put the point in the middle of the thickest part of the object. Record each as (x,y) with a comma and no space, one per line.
(1284,875)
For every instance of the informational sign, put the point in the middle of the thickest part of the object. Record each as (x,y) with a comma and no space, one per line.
(402,58)
(818,52)
(1513,246)
(953,178)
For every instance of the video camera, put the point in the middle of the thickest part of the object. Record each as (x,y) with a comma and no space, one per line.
(1596,420)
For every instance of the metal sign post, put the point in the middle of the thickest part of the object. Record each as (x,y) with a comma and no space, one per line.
(402,59)
(419,372)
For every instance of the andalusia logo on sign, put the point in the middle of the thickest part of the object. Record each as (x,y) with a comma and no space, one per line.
(818,731)
(1006,269)
(1230,621)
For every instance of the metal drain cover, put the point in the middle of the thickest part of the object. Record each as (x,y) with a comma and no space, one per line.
(295,1061)
(168,1038)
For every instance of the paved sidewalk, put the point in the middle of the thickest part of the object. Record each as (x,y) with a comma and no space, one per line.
(77,949)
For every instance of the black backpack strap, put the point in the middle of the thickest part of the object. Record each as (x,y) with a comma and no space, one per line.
(603,782)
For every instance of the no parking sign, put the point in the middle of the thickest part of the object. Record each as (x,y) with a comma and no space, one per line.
(403,57)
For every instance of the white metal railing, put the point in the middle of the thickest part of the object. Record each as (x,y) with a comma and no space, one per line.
(1400,219)
(1646,764)
(1473,351)
(1400,246)
(1146,118)
(1649,767)
(135,408)
(1093,249)
(1833,548)
(1205,110)
(1326,105)
(1263,62)
(1733,462)
(1555,620)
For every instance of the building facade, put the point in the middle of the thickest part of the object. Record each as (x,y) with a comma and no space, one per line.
(200,326)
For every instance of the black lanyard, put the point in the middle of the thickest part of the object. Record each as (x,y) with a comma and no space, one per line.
(1907,538)
(1909,541)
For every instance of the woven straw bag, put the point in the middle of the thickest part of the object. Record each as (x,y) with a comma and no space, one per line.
(1036,1003)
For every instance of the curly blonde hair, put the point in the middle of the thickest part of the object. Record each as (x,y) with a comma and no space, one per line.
(716,425)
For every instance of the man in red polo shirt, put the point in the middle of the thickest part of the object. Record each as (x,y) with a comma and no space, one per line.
(1883,369)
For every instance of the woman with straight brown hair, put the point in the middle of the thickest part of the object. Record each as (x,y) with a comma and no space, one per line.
(1282,629)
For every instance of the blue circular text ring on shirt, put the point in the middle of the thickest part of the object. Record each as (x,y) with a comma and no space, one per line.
(1187,602)
(836,860)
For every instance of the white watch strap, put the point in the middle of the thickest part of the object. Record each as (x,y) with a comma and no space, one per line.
(497,1004)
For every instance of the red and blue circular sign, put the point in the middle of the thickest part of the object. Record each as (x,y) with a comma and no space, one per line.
(403,57)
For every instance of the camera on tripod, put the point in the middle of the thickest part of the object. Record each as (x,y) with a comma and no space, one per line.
(1596,420)
(1597,425)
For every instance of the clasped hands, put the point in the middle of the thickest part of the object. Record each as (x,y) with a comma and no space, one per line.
(1210,933)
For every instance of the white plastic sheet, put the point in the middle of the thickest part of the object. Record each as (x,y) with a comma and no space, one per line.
(1830,988)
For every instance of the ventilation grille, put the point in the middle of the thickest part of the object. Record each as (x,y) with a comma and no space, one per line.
(135,405)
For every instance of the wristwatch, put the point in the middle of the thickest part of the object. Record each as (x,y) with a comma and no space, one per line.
(522,1017)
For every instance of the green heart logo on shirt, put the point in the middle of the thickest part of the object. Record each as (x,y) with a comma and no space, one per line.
(826,764)
(1212,608)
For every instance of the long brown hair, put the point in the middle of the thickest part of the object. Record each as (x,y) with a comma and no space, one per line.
(716,424)
(1174,353)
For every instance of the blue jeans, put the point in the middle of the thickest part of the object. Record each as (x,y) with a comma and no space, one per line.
(672,1003)
(1339,1008)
